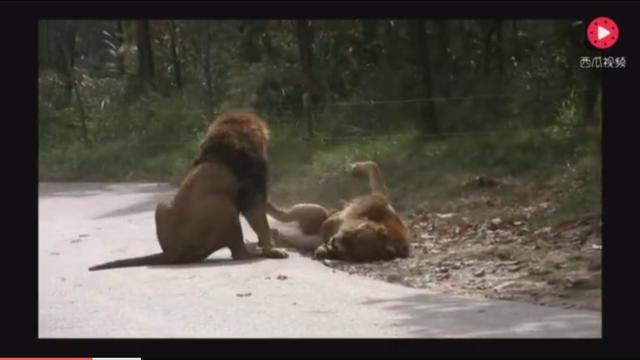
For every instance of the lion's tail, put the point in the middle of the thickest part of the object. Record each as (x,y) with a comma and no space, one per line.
(279,214)
(155,259)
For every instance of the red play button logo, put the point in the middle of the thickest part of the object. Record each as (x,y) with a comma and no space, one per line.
(603,32)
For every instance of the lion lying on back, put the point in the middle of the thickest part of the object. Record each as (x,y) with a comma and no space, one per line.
(366,229)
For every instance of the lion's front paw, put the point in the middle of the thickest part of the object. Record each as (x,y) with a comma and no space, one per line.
(275,253)
(321,253)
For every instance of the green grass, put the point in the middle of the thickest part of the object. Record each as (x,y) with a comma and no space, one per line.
(416,170)
(114,161)
(132,143)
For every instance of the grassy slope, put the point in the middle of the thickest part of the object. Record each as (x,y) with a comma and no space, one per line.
(417,171)
(545,180)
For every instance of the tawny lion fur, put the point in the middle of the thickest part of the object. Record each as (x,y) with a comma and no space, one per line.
(366,229)
(228,178)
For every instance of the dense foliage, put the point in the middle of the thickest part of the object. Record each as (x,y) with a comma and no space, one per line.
(114,93)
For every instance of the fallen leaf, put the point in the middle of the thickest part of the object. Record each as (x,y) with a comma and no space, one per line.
(442,276)
(510,262)
(426,237)
(503,285)
(479,273)
(445,216)
(542,230)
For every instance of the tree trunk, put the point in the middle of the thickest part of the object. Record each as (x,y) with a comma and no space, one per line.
(568,34)
(68,55)
(499,47)
(306,105)
(251,41)
(43,41)
(304,32)
(305,47)
(488,49)
(429,123)
(174,54)
(516,41)
(267,43)
(206,66)
(468,56)
(145,55)
(500,104)
(442,43)
(444,59)
(120,43)
(369,39)
(391,43)
(594,86)
(66,42)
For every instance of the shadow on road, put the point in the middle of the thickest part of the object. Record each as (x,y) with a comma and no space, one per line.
(433,315)
(92,189)
(216,261)
(148,204)
(210,263)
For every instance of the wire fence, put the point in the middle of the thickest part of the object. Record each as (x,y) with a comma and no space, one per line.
(344,138)
(455,115)
(527,94)
(388,118)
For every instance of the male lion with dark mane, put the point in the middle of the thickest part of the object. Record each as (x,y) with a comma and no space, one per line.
(366,229)
(228,178)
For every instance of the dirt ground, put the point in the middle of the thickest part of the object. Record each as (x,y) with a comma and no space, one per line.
(83,224)
(494,248)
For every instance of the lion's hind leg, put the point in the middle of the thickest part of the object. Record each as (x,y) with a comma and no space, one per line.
(308,216)
(371,170)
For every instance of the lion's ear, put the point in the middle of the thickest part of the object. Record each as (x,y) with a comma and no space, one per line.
(362,226)
(335,241)
(382,231)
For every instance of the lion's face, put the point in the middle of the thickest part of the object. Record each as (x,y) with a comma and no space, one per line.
(365,242)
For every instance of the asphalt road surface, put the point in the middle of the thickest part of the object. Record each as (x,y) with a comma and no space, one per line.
(83,224)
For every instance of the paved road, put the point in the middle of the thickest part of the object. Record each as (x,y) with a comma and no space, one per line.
(84,224)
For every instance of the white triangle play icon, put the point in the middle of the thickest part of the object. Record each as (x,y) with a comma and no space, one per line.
(602,32)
